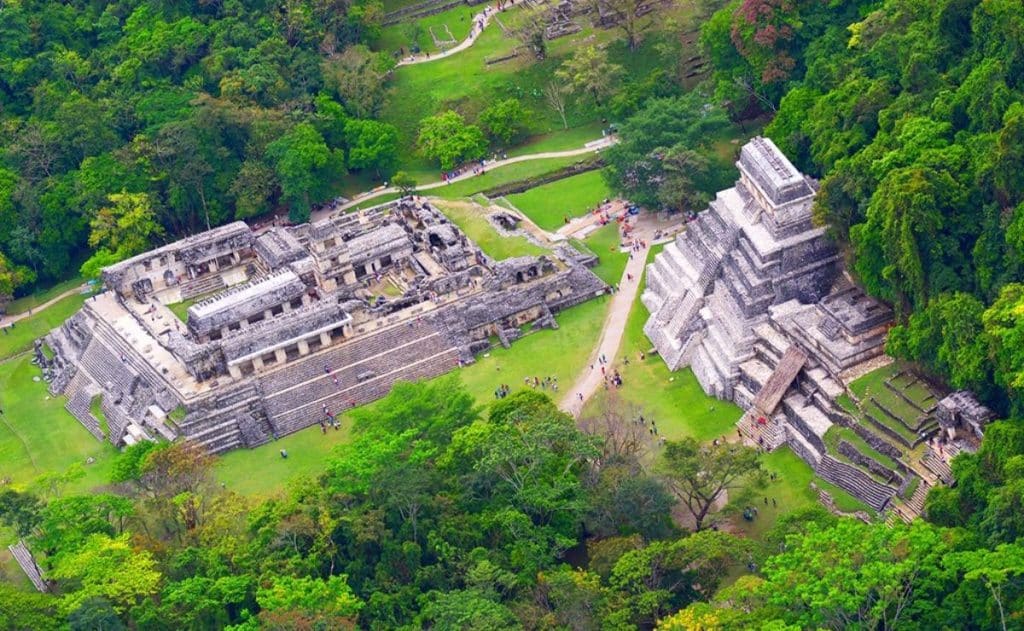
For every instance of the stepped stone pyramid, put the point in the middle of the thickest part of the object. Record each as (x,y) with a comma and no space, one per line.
(754,247)
(752,297)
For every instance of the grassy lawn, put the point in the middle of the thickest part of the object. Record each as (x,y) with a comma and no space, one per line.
(559,139)
(37,435)
(35,299)
(791,491)
(465,188)
(457,19)
(548,205)
(262,471)
(837,433)
(560,353)
(466,83)
(180,309)
(20,338)
(604,242)
(471,218)
(96,408)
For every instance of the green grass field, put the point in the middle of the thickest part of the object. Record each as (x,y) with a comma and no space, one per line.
(560,353)
(604,242)
(465,188)
(20,338)
(466,83)
(470,217)
(457,20)
(33,300)
(548,205)
(38,436)
(262,471)
(180,309)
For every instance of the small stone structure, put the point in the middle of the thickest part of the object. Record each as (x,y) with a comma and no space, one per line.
(295,324)
(752,297)
(961,416)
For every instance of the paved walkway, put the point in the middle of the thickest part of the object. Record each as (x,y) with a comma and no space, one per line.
(590,147)
(484,18)
(611,335)
(7,320)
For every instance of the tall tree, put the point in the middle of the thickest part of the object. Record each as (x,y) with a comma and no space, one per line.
(306,168)
(448,139)
(589,72)
(632,17)
(699,474)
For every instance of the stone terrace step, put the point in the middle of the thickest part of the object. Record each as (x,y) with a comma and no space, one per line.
(28,565)
(79,404)
(305,411)
(855,482)
(201,285)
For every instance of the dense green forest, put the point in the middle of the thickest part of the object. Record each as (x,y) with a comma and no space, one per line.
(213,111)
(441,515)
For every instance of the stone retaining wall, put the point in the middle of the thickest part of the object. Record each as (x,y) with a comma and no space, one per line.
(524,185)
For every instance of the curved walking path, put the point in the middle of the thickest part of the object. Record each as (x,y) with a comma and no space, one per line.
(483,18)
(590,147)
(8,320)
(611,335)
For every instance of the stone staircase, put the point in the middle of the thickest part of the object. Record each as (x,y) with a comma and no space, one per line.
(80,391)
(916,501)
(205,284)
(856,482)
(768,436)
(938,466)
(28,565)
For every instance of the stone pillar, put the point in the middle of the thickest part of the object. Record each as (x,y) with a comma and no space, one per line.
(235,371)
(303,347)
(257,363)
(325,338)
(236,257)
(281,356)
(267,314)
(225,331)
(213,265)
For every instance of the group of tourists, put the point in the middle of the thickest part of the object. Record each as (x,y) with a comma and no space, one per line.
(546,383)
(476,168)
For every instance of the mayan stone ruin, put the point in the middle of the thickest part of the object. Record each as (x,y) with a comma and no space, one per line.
(753,298)
(294,325)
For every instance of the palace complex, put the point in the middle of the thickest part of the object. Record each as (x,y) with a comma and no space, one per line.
(290,326)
